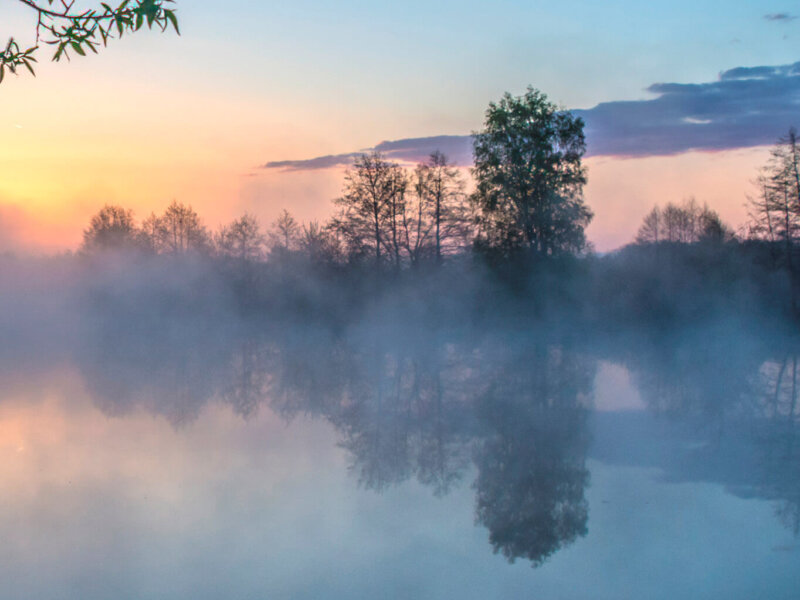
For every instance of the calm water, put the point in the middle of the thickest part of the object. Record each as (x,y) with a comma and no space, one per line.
(531,466)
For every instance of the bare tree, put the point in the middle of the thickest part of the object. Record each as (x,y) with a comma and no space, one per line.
(368,206)
(775,211)
(651,229)
(319,243)
(440,189)
(242,239)
(760,211)
(177,231)
(685,223)
(284,232)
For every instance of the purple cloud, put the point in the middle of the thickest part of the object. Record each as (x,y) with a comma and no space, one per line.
(744,107)
(458,148)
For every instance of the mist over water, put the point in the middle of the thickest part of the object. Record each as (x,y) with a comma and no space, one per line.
(173,427)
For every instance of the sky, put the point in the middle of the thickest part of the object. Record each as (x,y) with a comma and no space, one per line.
(673,99)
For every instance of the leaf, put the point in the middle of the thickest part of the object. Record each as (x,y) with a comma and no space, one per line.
(77,47)
(170,15)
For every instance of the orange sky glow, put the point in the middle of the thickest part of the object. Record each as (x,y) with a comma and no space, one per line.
(155,118)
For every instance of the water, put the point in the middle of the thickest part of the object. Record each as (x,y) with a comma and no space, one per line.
(430,466)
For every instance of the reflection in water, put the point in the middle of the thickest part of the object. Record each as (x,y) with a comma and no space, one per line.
(512,415)
(424,410)
(741,403)
(532,458)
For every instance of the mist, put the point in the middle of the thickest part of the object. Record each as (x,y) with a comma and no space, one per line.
(421,375)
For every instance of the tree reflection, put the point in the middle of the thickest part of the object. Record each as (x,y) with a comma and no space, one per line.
(509,412)
(532,459)
(520,414)
(430,409)
(740,401)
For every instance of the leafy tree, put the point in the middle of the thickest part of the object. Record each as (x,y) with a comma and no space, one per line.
(532,461)
(70,29)
(530,178)
(111,229)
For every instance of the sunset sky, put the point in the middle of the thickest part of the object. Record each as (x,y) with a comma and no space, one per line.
(230,116)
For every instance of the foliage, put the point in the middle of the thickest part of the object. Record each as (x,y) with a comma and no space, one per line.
(69,29)
(532,465)
(530,178)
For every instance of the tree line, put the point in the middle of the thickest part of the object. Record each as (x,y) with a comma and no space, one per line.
(528,201)
(522,220)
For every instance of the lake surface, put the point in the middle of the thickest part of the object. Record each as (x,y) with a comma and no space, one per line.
(473,466)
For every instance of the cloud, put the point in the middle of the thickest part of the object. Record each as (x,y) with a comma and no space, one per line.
(780,17)
(457,147)
(320,162)
(744,107)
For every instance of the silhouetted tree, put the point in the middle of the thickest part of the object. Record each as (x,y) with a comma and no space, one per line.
(441,210)
(530,178)
(149,232)
(241,239)
(369,207)
(775,210)
(320,244)
(651,230)
(284,232)
(685,223)
(785,165)
(178,231)
(762,223)
(112,228)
